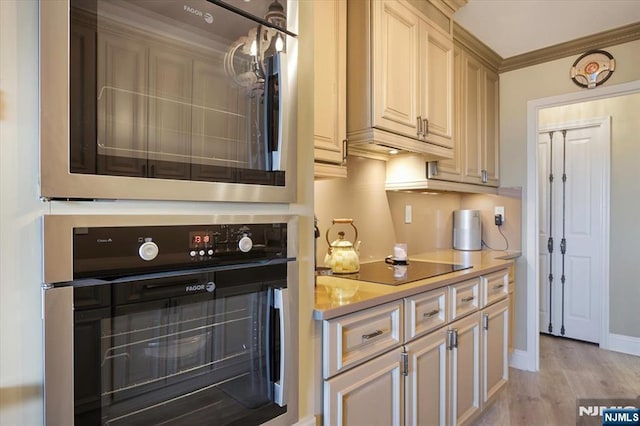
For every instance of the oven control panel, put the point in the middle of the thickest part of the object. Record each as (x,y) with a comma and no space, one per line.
(110,251)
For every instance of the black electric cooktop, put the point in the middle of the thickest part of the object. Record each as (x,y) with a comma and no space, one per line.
(383,273)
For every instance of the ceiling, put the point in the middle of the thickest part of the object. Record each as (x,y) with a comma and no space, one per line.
(514,27)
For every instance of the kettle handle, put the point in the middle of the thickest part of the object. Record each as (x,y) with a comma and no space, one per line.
(345,221)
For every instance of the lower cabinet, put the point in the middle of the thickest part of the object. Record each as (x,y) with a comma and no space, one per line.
(369,394)
(465,369)
(495,349)
(427,384)
(441,373)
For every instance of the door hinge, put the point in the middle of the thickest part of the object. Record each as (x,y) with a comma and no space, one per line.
(405,363)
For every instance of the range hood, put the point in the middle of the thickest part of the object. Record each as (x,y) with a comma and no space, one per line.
(408,172)
(383,145)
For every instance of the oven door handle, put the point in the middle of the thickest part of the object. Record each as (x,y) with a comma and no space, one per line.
(281,303)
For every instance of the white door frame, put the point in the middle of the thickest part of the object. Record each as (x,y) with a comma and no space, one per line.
(531,249)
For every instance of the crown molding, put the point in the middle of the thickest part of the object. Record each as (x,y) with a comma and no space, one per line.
(476,48)
(600,40)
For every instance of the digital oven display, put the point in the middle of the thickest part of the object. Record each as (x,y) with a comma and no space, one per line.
(200,238)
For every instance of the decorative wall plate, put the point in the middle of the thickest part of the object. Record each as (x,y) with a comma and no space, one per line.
(592,68)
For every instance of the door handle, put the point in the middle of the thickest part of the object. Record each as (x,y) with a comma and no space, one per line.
(419,125)
(281,302)
(426,127)
(345,150)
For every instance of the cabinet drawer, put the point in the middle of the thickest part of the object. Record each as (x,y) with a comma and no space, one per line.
(352,339)
(425,312)
(464,298)
(495,286)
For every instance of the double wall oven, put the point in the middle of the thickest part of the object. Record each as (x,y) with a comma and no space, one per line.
(168,100)
(169,320)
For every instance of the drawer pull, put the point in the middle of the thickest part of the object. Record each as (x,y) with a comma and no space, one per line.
(430,314)
(498,286)
(467,299)
(372,335)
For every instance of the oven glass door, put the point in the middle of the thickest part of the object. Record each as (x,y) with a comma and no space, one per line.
(177,90)
(196,349)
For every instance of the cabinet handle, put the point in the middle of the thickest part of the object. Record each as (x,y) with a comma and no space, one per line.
(426,127)
(485,321)
(498,286)
(345,150)
(454,342)
(485,176)
(467,299)
(450,339)
(431,313)
(418,126)
(372,335)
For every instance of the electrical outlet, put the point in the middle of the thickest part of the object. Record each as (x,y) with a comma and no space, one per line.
(499,211)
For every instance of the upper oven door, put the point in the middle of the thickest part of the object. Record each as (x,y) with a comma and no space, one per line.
(166,100)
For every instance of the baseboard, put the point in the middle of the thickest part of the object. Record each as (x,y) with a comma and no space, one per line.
(625,344)
(519,359)
(307,421)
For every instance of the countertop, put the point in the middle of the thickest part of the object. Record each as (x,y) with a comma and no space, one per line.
(335,296)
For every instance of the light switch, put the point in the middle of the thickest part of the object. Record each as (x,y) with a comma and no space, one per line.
(407,213)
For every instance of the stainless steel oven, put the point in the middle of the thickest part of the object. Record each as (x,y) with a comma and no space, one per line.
(170,323)
(168,100)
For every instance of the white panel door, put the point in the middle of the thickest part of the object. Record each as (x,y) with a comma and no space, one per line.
(574,211)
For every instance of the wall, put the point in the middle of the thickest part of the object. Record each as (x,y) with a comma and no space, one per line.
(379,215)
(20,211)
(625,201)
(21,373)
(516,89)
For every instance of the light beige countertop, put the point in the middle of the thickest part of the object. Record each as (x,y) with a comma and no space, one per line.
(335,296)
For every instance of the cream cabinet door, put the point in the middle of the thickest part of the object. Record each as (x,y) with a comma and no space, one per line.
(436,85)
(491,148)
(465,369)
(472,120)
(480,123)
(370,394)
(426,384)
(396,37)
(330,73)
(451,169)
(495,346)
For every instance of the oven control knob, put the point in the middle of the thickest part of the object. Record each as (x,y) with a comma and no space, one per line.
(148,251)
(245,244)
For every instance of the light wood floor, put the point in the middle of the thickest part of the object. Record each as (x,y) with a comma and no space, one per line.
(568,370)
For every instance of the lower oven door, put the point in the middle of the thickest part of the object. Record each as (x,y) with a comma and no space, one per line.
(201,348)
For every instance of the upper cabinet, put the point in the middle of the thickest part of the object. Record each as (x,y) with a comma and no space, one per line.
(400,73)
(330,92)
(476,134)
(474,165)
